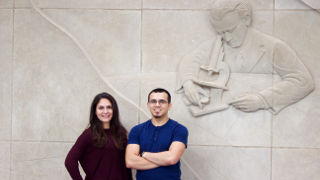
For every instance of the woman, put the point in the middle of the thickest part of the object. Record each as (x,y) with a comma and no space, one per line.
(100,149)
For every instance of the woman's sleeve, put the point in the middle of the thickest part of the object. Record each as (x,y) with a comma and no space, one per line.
(129,174)
(74,155)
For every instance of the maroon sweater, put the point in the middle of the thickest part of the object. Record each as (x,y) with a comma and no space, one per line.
(107,163)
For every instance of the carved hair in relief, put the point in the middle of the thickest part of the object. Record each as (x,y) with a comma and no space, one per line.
(222,7)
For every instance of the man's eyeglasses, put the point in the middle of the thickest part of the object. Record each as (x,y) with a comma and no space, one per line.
(161,102)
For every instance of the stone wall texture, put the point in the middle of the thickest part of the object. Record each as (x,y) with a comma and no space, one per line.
(47,83)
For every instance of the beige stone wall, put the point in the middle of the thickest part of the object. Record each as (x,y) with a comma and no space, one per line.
(47,84)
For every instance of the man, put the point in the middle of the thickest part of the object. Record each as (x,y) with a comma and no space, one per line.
(156,146)
(247,50)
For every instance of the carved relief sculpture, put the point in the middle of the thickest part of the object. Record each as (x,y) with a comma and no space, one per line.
(238,48)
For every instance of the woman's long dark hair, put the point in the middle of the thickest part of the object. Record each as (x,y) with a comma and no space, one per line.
(118,132)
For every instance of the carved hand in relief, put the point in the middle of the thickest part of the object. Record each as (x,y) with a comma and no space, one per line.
(190,90)
(195,94)
(248,103)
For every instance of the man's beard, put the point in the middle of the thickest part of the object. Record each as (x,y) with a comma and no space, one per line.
(157,116)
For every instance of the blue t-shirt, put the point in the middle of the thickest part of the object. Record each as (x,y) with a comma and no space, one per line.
(157,139)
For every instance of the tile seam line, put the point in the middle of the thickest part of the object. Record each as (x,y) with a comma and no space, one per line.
(81,9)
(12,91)
(204,9)
(176,71)
(280,147)
(193,145)
(294,10)
(272,116)
(152,9)
(121,9)
(35,141)
(141,61)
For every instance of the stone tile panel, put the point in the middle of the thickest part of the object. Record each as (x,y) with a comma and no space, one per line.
(54,83)
(128,87)
(197,4)
(168,4)
(295,164)
(298,125)
(6,3)
(290,4)
(111,38)
(38,161)
(227,163)
(168,35)
(301,31)
(261,4)
(5,160)
(6,43)
(94,4)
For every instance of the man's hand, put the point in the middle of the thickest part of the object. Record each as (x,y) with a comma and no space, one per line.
(166,158)
(133,159)
(248,103)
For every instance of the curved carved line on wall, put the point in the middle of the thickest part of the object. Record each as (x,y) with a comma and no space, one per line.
(192,170)
(99,72)
(315,4)
(75,40)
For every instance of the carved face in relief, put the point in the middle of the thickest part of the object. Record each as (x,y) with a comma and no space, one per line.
(232,28)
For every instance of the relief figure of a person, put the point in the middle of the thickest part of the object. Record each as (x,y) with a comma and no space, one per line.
(247,50)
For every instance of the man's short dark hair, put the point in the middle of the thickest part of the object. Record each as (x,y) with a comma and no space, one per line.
(160,90)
